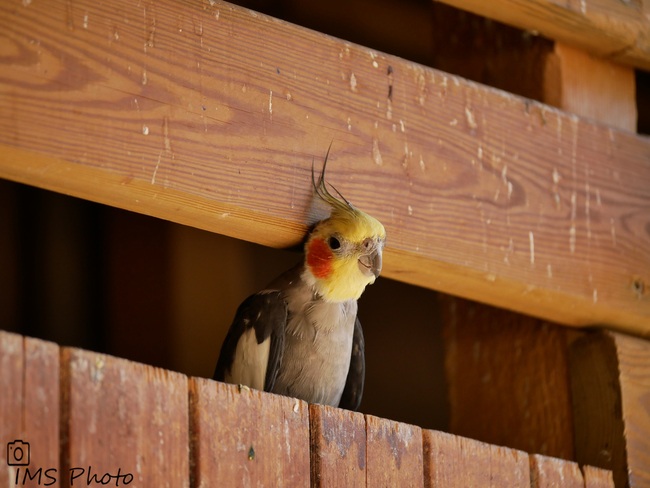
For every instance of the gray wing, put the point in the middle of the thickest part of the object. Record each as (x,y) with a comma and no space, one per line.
(353,390)
(256,331)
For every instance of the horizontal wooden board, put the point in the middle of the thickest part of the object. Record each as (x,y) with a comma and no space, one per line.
(616,30)
(211,115)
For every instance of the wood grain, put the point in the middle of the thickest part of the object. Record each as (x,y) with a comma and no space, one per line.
(610,381)
(597,478)
(121,418)
(11,421)
(548,472)
(456,462)
(608,28)
(591,87)
(29,409)
(246,437)
(491,197)
(508,380)
(394,453)
(338,447)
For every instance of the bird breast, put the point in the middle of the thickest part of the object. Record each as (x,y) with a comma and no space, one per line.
(318,345)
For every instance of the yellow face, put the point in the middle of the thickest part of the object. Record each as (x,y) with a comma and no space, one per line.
(344,254)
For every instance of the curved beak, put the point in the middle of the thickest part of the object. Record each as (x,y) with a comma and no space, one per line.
(370,264)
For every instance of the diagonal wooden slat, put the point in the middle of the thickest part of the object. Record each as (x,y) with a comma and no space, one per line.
(210,115)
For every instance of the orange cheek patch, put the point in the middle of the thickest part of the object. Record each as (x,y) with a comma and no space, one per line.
(319,258)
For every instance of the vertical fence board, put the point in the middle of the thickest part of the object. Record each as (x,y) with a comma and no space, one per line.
(548,472)
(29,410)
(394,453)
(11,385)
(456,462)
(244,437)
(122,418)
(597,478)
(41,407)
(338,447)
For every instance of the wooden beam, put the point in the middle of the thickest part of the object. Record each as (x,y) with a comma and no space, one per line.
(508,380)
(484,195)
(610,381)
(591,87)
(608,28)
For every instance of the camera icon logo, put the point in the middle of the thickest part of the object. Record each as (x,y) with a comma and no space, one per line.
(18,453)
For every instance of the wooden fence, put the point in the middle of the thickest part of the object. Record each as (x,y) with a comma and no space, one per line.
(92,419)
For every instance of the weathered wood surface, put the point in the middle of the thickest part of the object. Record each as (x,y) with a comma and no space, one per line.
(29,410)
(547,472)
(616,30)
(491,197)
(394,453)
(338,447)
(456,462)
(597,478)
(123,419)
(610,381)
(245,437)
(508,381)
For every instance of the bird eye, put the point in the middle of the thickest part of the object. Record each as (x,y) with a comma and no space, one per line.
(334,243)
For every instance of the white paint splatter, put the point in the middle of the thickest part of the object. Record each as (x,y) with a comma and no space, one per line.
(353,82)
(85,24)
(470,118)
(153,177)
(410,210)
(401,125)
(511,248)
(556,176)
(422,167)
(572,238)
(145,130)
(376,155)
(271,104)
(532,247)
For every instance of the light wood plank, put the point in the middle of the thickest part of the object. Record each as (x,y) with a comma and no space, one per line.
(245,437)
(591,87)
(491,197)
(456,462)
(608,28)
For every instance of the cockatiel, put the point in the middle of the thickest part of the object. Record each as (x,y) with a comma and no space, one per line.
(300,336)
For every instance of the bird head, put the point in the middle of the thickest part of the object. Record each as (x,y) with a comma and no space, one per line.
(343,253)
